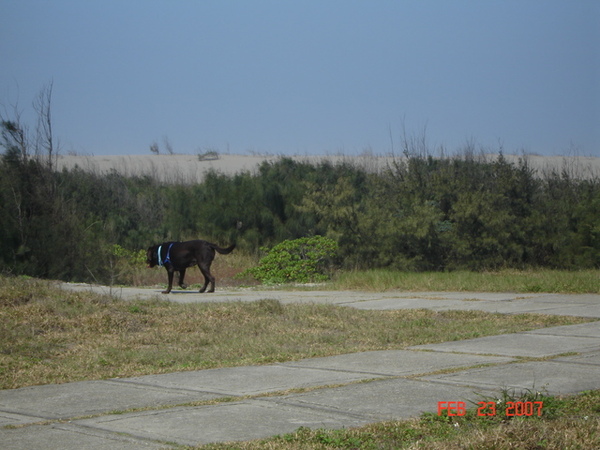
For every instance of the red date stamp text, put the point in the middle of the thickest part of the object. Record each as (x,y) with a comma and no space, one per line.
(491,409)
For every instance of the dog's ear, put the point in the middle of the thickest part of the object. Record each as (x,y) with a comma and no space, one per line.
(150,259)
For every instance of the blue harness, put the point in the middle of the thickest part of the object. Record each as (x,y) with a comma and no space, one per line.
(167,259)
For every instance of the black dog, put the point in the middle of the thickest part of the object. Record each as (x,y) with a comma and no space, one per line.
(178,256)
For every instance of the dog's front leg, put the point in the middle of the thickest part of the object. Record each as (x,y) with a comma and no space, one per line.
(170,277)
(182,285)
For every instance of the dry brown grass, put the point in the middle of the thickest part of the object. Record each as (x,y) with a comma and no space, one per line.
(52,336)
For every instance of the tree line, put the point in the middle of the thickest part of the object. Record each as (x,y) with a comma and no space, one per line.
(421,213)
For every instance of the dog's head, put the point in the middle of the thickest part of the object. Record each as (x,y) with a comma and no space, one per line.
(151,256)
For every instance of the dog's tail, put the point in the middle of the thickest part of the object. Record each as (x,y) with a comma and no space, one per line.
(223,251)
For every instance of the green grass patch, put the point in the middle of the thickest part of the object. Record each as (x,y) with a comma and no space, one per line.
(48,335)
(553,281)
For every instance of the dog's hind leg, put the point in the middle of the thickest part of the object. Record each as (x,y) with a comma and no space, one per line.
(208,278)
(182,285)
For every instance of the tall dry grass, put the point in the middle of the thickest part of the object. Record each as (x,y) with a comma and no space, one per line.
(48,335)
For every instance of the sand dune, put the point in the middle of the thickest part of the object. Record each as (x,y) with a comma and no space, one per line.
(190,169)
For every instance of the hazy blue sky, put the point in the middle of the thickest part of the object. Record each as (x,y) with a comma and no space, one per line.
(308,77)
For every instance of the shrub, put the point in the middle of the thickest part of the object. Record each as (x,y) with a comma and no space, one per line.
(126,266)
(300,260)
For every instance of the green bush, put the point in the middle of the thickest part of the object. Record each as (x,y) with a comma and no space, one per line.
(126,266)
(300,260)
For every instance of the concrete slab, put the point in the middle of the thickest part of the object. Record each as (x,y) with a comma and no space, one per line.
(578,311)
(590,329)
(68,436)
(196,297)
(236,421)
(381,399)
(60,401)
(432,300)
(465,296)
(551,376)
(585,305)
(569,299)
(393,304)
(321,297)
(251,380)
(592,358)
(504,303)
(251,295)
(397,362)
(519,344)
(526,307)
(7,418)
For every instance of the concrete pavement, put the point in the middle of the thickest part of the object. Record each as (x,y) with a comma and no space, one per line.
(243,403)
(584,305)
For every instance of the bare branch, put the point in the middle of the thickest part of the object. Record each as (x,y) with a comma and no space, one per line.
(44,137)
(168,145)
